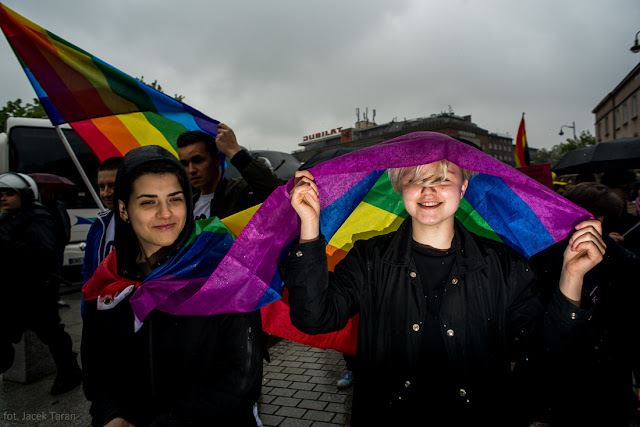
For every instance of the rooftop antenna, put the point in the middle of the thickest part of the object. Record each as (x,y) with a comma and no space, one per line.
(358,113)
(366,114)
(374,116)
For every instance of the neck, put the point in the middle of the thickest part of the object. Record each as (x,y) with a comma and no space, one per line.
(210,188)
(437,236)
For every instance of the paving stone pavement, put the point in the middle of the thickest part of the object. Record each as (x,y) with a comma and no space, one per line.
(299,387)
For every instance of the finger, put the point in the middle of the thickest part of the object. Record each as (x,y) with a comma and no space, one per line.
(579,243)
(591,250)
(591,222)
(587,230)
(305,173)
(304,186)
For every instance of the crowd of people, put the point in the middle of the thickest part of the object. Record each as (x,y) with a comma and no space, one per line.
(454,328)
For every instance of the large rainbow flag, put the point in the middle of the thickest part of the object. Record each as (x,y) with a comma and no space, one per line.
(110,110)
(357,202)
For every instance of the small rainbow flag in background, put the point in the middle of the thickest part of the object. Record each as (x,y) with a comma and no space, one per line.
(110,110)
(522,147)
(357,202)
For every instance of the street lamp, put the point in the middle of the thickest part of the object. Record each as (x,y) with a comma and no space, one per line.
(567,126)
(636,47)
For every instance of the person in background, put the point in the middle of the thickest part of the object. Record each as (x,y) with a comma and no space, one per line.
(29,292)
(598,391)
(200,154)
(102,232)
(622,182)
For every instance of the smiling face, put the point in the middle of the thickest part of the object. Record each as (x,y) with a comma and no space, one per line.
(201,166)
(433,207)
(157,211)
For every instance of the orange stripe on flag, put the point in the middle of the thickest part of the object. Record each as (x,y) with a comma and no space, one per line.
(116,132)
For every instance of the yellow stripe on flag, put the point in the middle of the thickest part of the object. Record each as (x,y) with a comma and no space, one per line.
(144,132)
(366,221)
(238,221)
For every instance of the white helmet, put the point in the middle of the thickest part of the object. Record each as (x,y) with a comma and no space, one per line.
(23,184)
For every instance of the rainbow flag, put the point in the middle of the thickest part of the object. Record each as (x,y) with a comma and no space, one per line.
(180,279)
(357,202)
(522,147)
(110,110)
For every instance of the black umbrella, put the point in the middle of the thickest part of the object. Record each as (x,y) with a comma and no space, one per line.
(623,153)
(323,156)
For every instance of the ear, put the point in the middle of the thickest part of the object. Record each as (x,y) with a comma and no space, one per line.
(122,209)
(463,189)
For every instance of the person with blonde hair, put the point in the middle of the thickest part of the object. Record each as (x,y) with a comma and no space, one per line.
(442,312)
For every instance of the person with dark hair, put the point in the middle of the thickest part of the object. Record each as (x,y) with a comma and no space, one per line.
(591,386)
(102,232)
(202,155)
(442,312)
(622,182)
(29,292)
(144,363)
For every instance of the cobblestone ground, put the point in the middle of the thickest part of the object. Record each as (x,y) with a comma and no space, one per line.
(299,387)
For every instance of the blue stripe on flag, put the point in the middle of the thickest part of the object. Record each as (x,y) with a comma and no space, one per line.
(332,217)
(509,216)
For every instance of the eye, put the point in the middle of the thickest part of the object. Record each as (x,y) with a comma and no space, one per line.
(146,202)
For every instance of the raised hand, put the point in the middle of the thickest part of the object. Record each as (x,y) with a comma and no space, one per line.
(305,199)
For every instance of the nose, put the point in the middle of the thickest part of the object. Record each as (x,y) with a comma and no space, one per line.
(164,210)
(190,168)
(429,190)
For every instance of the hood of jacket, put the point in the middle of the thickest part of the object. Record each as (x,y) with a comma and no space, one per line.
(126,243)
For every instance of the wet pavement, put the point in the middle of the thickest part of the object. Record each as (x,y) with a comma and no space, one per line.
(298,388)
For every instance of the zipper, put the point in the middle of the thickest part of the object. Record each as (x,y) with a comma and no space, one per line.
(247,367)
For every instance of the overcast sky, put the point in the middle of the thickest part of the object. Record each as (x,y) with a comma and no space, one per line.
(278,70)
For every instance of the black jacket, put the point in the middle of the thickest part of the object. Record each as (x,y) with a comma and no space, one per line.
(490,316)
(27,253)
(237,194)
(175,370)
(185,370)
(591,385)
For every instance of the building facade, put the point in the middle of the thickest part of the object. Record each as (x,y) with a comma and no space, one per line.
(366,133)
(617,114)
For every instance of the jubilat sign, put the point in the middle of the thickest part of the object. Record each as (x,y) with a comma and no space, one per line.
(324,133)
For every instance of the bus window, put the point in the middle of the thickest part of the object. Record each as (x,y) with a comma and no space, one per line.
(40,150)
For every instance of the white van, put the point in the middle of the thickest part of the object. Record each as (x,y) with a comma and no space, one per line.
(33,146)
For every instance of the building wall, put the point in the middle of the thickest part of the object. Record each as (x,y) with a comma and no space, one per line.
(498,146)
(617,115)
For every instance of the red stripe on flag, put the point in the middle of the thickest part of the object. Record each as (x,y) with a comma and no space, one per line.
(99,144)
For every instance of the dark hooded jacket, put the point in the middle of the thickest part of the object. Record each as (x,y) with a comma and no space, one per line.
(175,370)
(490,315)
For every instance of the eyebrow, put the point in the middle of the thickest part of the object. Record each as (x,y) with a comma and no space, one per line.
(155,196)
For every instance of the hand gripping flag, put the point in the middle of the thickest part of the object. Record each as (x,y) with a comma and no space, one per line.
(110,110)
(357,202)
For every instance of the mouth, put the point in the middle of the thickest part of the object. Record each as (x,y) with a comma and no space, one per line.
(430,204)
(164,227)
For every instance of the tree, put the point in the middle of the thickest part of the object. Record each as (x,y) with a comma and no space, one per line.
(154,84)
(16,109)
(555,153)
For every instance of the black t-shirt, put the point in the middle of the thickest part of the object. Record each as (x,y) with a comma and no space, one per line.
(434,267)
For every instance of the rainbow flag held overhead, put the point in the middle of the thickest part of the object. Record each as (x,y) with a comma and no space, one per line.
(112,111)
(357,202)
(522,147)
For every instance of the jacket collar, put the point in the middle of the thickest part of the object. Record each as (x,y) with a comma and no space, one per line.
(468,253)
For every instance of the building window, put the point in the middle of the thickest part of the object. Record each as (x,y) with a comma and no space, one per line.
(599,131)
(616,119)
(625,118)
(634,107)
(606,125)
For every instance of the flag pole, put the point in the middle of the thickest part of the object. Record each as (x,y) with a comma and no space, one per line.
(67,146)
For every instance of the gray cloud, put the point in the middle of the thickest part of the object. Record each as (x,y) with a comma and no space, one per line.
(278,70)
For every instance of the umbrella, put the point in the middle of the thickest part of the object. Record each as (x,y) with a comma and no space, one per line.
(49,181)
(623,153)
(323,156)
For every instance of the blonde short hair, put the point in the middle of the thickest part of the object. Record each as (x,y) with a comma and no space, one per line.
(421,175)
